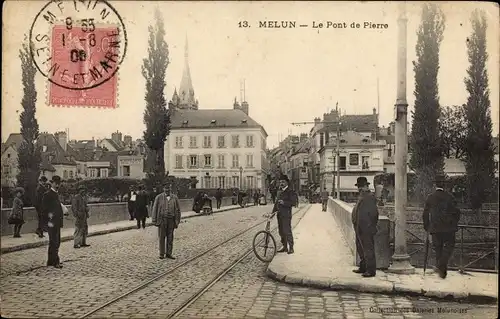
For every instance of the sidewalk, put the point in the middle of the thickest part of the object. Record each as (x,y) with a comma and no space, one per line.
(322,259)
(27,241)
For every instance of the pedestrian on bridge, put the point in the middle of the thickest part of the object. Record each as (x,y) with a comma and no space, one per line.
(166,215)
(53,214)
(41,189)
(283,205)
(80,210)
(440,217)
(141,207)
(218,197)
(364,220)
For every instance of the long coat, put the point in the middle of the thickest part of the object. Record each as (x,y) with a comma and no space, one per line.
(17,210)
(52,209)
(141,205)
(288,197)
(80,210)
(163,207)
(365,214)
(441,214)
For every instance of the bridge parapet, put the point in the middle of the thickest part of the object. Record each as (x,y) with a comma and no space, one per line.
(342,213)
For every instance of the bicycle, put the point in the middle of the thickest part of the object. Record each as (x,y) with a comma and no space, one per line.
(267,242)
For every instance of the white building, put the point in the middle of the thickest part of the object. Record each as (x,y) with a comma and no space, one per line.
(223,148)
(360,155)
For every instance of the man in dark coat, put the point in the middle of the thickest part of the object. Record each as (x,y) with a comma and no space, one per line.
(364,220)
(441,217)
(324,200)
(141,207)
(218,197)
(41,189)
(283,205)
(53,214)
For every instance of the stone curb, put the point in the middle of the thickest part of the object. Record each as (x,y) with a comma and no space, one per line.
(96,233)
(379,288)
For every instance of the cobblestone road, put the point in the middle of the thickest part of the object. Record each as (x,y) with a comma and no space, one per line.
(114,263)
(245,292)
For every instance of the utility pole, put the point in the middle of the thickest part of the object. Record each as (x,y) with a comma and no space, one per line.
(401,259)
(338,152)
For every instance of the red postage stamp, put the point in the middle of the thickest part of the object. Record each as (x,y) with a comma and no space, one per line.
(83,67)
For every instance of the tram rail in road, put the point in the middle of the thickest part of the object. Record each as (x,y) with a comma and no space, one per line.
(201,291)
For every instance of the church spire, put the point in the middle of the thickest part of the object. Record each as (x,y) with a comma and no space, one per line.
(186,90)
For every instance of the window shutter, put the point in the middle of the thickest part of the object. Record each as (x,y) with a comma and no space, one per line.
(188,161)
(201,161)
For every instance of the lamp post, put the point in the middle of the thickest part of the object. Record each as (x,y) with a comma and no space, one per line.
(241,178)
(401,259)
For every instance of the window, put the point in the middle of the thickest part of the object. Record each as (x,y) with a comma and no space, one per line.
(104,172)
(178,142)
(178,161)
(221,159)
(193,161)
(389,152)
(364,162)
(92,172)
(207,182)
(70,174)
(192,141)
(321,140)
(8,155)
(208,160)
(221,141)
(222,183)
(342,163)
(250,184)
(250,141)
(236,161)
(249,160)
(6,169)
(236,181)
(354,159)
(65,174)
(207,141)
(236,141)
(126,170)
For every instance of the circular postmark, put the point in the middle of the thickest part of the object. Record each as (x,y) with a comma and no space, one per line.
(78,45)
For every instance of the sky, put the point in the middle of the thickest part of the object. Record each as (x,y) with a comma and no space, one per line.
(291,75)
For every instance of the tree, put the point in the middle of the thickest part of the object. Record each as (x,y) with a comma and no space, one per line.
(479,152)
(453,130)
(29,155)
(425,144)
(156,114)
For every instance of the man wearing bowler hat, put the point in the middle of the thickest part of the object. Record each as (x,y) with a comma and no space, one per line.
(441,217)
(283,205)
(53,215)
(364,220)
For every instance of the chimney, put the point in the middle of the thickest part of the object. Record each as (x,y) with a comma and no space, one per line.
(236,105)
(374,111)
(244,107)
(317,120)
(303,137)
(391,129)
(62,139)
(127,139)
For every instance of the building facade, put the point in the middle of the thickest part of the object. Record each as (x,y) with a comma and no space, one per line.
(359,156)
(223,148)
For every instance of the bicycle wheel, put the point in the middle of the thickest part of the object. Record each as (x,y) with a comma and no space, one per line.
(264,246)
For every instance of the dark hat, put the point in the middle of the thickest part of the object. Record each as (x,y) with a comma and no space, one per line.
(361,181)
(18,190)
(284,177)
(43,179)
(56,179)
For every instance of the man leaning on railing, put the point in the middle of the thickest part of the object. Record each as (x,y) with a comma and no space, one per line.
(441,217)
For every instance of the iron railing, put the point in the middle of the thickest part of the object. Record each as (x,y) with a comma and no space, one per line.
(462,268)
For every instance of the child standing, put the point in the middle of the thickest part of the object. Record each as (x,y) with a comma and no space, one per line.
(16,217)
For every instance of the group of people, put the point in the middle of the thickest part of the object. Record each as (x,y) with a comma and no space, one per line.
(440,218)
(138,201)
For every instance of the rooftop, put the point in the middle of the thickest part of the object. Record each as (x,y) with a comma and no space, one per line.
(212,118)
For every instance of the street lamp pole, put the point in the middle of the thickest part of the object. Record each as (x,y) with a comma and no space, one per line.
(401,259)
(241,178)
(338,160)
